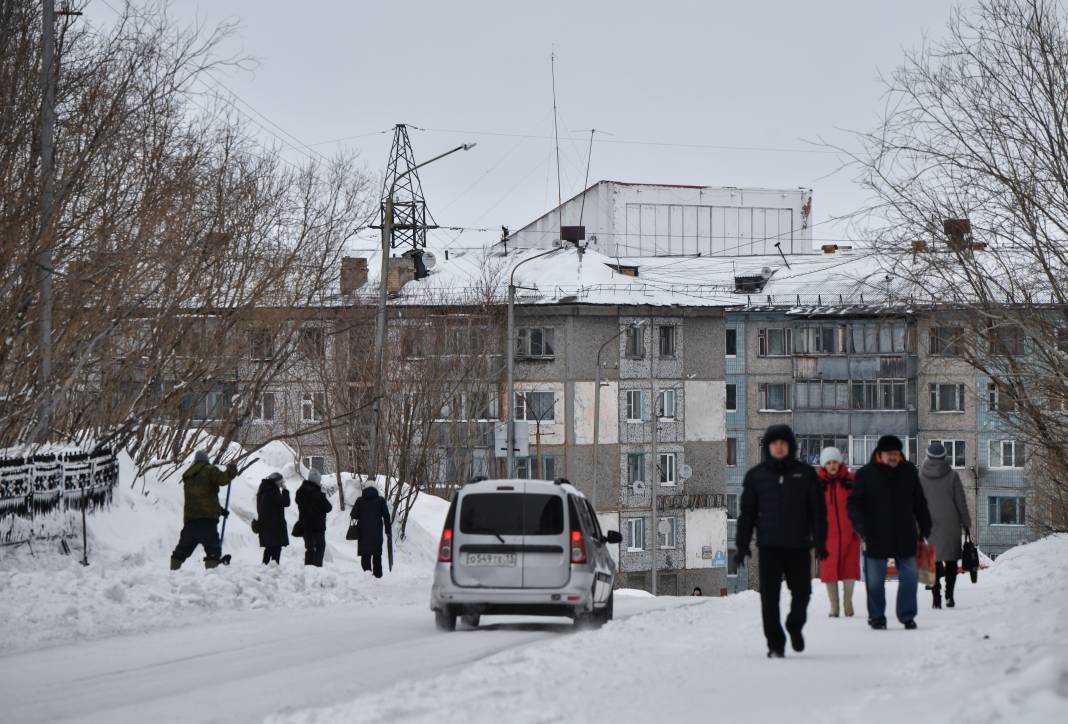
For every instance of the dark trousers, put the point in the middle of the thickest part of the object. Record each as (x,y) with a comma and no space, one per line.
(375,559)
(202,532)
(272,553)
(314,548)
(795,565)
(948,570)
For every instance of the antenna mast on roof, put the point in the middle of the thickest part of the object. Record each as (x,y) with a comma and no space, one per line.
(556,139)
(410,215)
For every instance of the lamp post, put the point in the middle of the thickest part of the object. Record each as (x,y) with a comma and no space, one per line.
(597,401)
(380,321)
(510,357)
(655,483)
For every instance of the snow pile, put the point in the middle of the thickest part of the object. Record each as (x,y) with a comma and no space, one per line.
(1001,655)
(127,587)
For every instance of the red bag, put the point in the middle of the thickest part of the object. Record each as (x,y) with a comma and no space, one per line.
(925,563)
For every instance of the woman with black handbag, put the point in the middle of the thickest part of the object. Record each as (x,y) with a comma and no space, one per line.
(271,501)
(949,516)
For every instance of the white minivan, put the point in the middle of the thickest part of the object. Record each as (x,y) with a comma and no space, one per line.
(522,547)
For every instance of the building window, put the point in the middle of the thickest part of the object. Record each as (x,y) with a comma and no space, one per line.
(635,534)
(821,394)
(527,468)
(732,451)
(1006,510)
(635,468)
(882,394)
(947,397)
(732,397)
(1006,341)
(999,400)
(861,448)
(732,342)
(820,339)
(214,404)
(1006,454)
(732,565)
(311,406)
(732,506)
(809,447)
(261,345)
(635,347)
(666,466)
(263,410)
(667,334)
(312,343)
(314,462)
(536,342)
(535,406)
(774,396)
(946,341)
(954,452)
(669,538)
(635,408)
(881,337)
(773,342)
(665,404)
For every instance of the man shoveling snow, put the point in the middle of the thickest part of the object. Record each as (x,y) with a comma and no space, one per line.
(202,511)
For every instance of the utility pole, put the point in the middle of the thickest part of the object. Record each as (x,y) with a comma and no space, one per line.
(655,483)
(44,241)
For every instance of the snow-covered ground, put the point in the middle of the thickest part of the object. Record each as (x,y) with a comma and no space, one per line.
(126,640)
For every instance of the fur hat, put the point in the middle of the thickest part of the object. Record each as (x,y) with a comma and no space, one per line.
(314,476)
(201,457)
(889,443)
(828,454)
(936,451)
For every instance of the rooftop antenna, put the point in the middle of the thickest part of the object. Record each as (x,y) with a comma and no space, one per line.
(556,139)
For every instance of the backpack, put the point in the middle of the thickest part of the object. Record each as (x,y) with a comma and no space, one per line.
(969,558)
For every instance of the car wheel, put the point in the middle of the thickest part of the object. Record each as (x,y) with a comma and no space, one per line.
(445,620)
(609,609)
(471,619)
(591,620)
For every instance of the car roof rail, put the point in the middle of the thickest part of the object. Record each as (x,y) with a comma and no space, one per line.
(476,479)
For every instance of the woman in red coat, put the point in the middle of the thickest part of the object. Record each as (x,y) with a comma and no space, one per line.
(843,543)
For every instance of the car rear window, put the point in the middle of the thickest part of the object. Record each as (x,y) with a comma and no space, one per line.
(511,514)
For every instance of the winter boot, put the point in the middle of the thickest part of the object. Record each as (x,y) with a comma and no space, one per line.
(910,625)
(175,564)
(210,563)
(832,593)
(847,597)
(776,653)
(951,585)
(797,641)
(936,596)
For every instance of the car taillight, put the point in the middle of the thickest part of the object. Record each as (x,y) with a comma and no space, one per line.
(578,547)
(445,547)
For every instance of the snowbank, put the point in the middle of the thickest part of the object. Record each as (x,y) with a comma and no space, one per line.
(127,587)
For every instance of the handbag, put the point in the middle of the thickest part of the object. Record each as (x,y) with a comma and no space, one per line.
(298,529)
(353,533)
(969,557)
(925,563)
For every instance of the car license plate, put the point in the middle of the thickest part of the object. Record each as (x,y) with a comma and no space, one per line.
(504,560)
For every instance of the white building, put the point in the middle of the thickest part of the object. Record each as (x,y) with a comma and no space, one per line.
(632,220)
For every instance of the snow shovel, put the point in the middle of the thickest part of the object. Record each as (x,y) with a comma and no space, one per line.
(225,560)
(389,551)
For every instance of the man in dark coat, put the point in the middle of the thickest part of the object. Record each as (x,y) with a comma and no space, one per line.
(313,505)
(271,501)
(781,499)
(372,514)
(202,481)
(889,512)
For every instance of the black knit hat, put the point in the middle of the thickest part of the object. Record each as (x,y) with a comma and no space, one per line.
(889,443)
(779,432)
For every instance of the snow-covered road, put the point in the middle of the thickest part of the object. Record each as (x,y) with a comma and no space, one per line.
(241,668)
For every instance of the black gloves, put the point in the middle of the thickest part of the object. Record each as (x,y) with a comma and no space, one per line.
(224,513)
(739,557)
(822,553)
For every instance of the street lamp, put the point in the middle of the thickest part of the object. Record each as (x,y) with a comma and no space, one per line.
(380,321)
(597,401)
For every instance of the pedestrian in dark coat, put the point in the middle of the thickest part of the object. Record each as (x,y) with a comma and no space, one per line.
(372,515)
(889,512)
(202,511)
(949,518)
(843,543)
(313,505)
(271,501)
(781,499)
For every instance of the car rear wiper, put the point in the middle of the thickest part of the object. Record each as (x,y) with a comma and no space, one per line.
(486,530)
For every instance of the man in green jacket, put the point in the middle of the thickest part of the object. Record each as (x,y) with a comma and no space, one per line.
(202,510)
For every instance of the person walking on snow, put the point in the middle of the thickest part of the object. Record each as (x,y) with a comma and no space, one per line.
(371,514)
(202,511)
(313,505)
(843,544)
(949,516)
(271,501)
(889,511)
(781,499)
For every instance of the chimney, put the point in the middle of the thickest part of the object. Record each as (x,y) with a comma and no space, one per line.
(829,248)
(919,245)
(958,233)
(401,271)
(353,274)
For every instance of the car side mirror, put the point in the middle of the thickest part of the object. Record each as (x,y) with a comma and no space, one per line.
(613,536)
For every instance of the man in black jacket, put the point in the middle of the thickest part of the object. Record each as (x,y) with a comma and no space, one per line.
(312,507)
(781,498)
(889,512)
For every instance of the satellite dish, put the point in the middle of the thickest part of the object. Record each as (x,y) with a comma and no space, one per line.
(429,260)
(685,471)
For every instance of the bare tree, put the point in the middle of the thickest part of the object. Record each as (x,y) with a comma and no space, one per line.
(970,166)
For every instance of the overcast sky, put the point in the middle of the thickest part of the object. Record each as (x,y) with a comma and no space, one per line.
(705,74)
